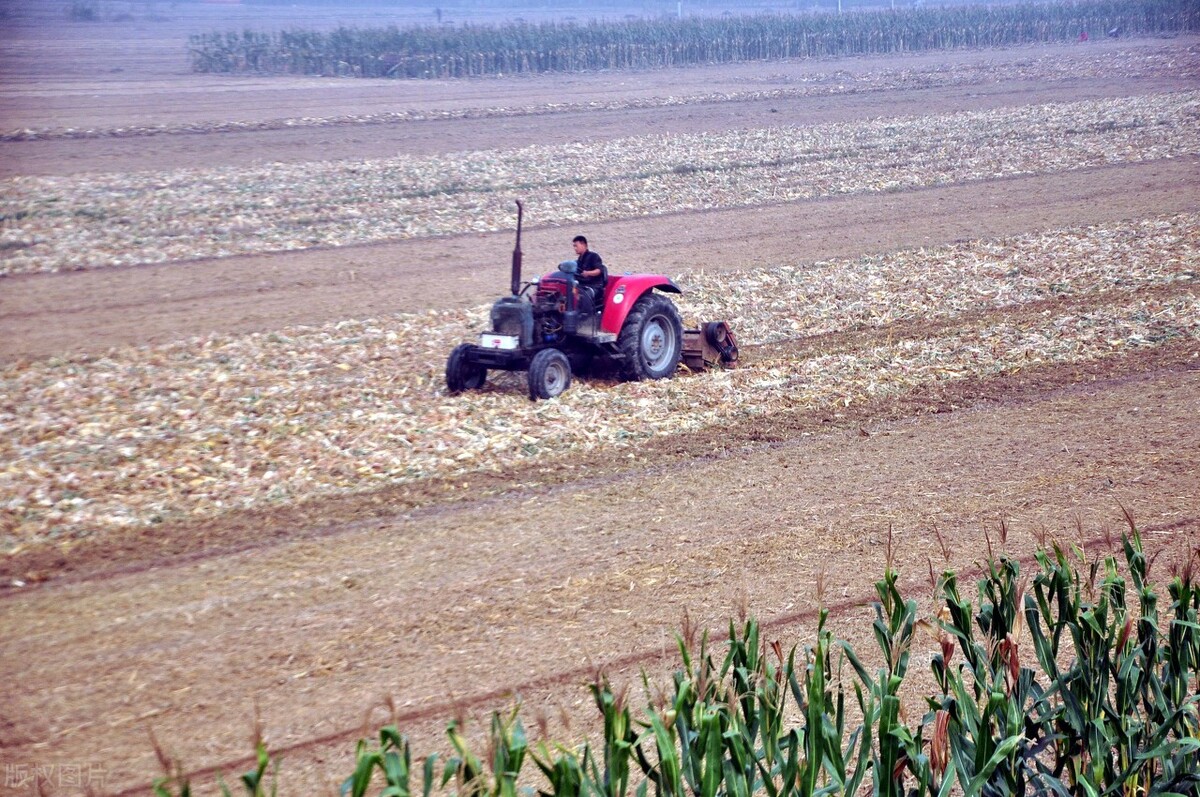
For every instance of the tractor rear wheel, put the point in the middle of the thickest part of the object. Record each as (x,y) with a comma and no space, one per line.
(549,374)
(651,339)
(461,373)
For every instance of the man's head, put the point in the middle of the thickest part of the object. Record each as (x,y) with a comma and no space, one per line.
(580,244)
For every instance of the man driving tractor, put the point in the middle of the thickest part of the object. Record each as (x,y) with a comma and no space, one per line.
(590,273)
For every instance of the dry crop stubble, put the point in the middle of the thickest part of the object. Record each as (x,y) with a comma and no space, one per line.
(202,427)
(82,222)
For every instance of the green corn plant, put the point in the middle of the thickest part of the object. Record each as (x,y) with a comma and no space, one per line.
(509,747)
(176,784)
(667,774)
(1109,719)
(253,781)
(752,720)
(1157,743)
(1091,713)
(172,782)
(393,760)
(982,734)
(698,724)
(564,770)
(742,665)
(1085,690)
(782,778)
(738,765)
(1174,756)
(1055,602)
(727,724)
(619,740)
(772,695)
(759,753)
(167,785)
(824,766)
(1059,608)
(464,767)
(894,748)
(759,749)
(961,627)
(1184,640)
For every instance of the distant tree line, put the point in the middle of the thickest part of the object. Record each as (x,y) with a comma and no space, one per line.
(523,48)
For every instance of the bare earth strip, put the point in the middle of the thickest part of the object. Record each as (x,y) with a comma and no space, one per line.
(44,314)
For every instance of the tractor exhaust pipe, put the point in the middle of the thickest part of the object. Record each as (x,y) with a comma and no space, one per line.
(516,262)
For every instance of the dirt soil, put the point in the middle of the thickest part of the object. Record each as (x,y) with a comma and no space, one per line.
(456,595)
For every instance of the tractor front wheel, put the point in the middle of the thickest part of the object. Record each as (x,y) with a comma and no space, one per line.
(549,374)
(651,339)
(461,373)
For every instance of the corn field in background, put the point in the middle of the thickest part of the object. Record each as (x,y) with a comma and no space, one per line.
(475,50)
(1081,681)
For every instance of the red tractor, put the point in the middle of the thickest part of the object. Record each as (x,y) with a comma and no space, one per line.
(550,328)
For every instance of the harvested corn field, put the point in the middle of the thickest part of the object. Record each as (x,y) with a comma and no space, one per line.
(150,434)
(74,223)
(964,284)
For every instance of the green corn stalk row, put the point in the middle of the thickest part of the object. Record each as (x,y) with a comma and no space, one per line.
(1074,683)
(475,50)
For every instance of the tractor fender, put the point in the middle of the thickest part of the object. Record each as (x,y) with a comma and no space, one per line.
(623,292)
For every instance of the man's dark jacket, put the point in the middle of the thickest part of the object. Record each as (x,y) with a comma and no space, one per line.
(588,261)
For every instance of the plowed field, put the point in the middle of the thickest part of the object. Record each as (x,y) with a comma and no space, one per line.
(232,481)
